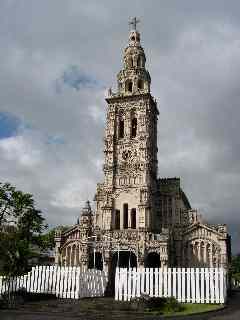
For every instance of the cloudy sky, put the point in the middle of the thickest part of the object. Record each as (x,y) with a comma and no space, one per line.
(59,57)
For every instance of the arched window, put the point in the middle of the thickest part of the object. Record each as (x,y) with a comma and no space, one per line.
(140,84)
(133,218)
(125,216)
(117,219)
(134,128)
(130,62)
(121,128)
(139,61)
(130,86)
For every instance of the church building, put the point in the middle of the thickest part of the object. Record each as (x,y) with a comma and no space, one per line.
(139,219)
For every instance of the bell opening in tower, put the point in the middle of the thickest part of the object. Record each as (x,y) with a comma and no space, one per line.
(133,218)
(117,219)
(125,216)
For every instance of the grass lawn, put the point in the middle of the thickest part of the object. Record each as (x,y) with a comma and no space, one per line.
(188,308)
(107,308)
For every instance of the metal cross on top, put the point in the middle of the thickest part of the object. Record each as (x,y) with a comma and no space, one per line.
(133,22)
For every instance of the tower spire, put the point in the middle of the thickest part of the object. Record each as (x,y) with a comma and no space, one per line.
(133,79)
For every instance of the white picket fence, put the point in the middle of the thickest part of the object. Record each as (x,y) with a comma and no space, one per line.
(64,282)
(191,285)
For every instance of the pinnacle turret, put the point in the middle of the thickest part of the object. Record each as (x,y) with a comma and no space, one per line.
(133,78)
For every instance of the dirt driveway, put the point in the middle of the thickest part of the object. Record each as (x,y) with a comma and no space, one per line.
(103,309)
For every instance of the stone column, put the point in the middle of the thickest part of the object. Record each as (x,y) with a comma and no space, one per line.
(205,254)
(193,254)
(106,261)
(199,253)
(121,218)
(70,264)
(210,256)
(164,263)
(129,218)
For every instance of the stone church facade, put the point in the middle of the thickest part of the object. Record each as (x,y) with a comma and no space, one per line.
(139,218)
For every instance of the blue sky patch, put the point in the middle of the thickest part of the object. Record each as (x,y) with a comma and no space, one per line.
(75,78)
(55,140)
(9,125)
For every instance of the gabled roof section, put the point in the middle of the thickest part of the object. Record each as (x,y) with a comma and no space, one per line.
(71,230)
(185,199)
(212,229)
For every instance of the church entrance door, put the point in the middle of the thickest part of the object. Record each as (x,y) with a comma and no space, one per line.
(121,259)
(153,260)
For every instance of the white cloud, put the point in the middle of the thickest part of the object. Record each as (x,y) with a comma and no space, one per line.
(20,151)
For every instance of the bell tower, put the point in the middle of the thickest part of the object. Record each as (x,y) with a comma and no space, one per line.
(126,198)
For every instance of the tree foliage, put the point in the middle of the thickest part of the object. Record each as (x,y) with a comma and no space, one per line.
(21,225)
(235,267)
(46,240)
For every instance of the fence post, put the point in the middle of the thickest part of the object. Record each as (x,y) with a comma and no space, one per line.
(179,294)
(151,281)
(165,292)
(156,291)
(212,297)
(221,286)
(183,285)
(117,284)
(197,286)
(188,285)
(216,270)
(193,299)
(169,282)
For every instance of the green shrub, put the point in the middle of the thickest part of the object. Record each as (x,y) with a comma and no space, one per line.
(172,305)
(146,303)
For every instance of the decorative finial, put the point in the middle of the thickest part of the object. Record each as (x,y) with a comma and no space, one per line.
(133,22)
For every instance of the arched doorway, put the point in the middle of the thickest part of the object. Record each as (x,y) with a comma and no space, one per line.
(121,259)
(124,259)
(95,262)
(153,260)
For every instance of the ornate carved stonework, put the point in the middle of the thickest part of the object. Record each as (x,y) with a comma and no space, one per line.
(135,210)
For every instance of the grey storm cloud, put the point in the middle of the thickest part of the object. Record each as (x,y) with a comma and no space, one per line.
(193,56)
